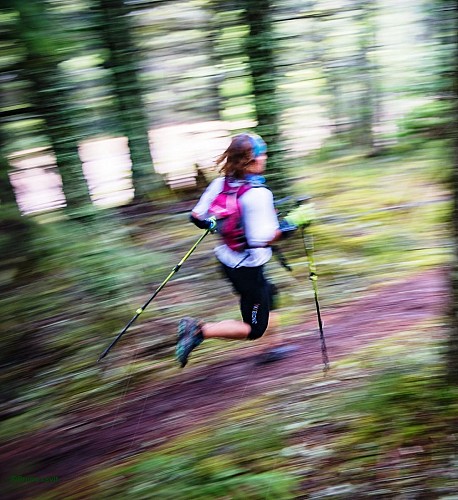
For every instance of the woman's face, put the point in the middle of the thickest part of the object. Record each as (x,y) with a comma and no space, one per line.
(258,166)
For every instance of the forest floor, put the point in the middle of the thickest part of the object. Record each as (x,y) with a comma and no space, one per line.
(150,414)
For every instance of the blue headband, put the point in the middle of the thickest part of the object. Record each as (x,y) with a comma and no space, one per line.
(258,145)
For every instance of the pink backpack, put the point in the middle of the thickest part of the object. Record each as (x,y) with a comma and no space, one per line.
(228,213)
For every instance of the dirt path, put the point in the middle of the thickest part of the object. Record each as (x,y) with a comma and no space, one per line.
(149,416)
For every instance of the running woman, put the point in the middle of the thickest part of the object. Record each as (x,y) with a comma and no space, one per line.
(243,162)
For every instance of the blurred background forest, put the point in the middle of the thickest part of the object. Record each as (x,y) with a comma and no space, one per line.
(112,114)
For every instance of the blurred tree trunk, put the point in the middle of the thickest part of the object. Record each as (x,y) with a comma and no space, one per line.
(260,51)
(363,132)
(7,194)
(452,346)
(331,76)
(354,113)
(216,105)
(51,98)
(115,31)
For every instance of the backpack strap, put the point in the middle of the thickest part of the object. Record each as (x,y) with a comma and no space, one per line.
(239,190)
(235,191)
(243,189)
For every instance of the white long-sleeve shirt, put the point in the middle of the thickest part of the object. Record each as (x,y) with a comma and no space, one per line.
(260,224)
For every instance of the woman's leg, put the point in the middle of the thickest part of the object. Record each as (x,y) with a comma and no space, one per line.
(255,301)
(273,336)
(227,329)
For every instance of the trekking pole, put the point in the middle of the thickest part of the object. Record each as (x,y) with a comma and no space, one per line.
(314,278)
(159,288)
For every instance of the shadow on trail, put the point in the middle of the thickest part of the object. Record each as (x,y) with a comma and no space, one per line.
(152,414)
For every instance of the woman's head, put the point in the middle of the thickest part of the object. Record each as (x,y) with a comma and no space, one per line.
(246,154)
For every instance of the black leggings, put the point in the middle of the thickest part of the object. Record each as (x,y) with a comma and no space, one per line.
(256,296)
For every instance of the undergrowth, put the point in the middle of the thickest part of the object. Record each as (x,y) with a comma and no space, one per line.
(382,424)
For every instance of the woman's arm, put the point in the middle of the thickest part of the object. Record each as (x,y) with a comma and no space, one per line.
(259,217)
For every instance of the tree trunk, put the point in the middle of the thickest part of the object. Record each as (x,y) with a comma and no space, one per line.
(331,76)
(452,346)
(7,194)
(51,99)
(115,30)
(216,105)
(368,102)
(260,51)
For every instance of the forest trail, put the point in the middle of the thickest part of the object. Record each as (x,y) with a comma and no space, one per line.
(149,415)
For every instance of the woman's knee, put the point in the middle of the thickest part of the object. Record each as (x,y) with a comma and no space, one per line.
(257,331)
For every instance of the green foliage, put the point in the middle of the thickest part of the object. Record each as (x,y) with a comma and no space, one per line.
(377,217)
(384,421)
(239,461)
(68,288)
(16,246)
(95,260)
(432,119)
(399,406)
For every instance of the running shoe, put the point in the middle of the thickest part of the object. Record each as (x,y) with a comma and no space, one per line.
(189,337)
